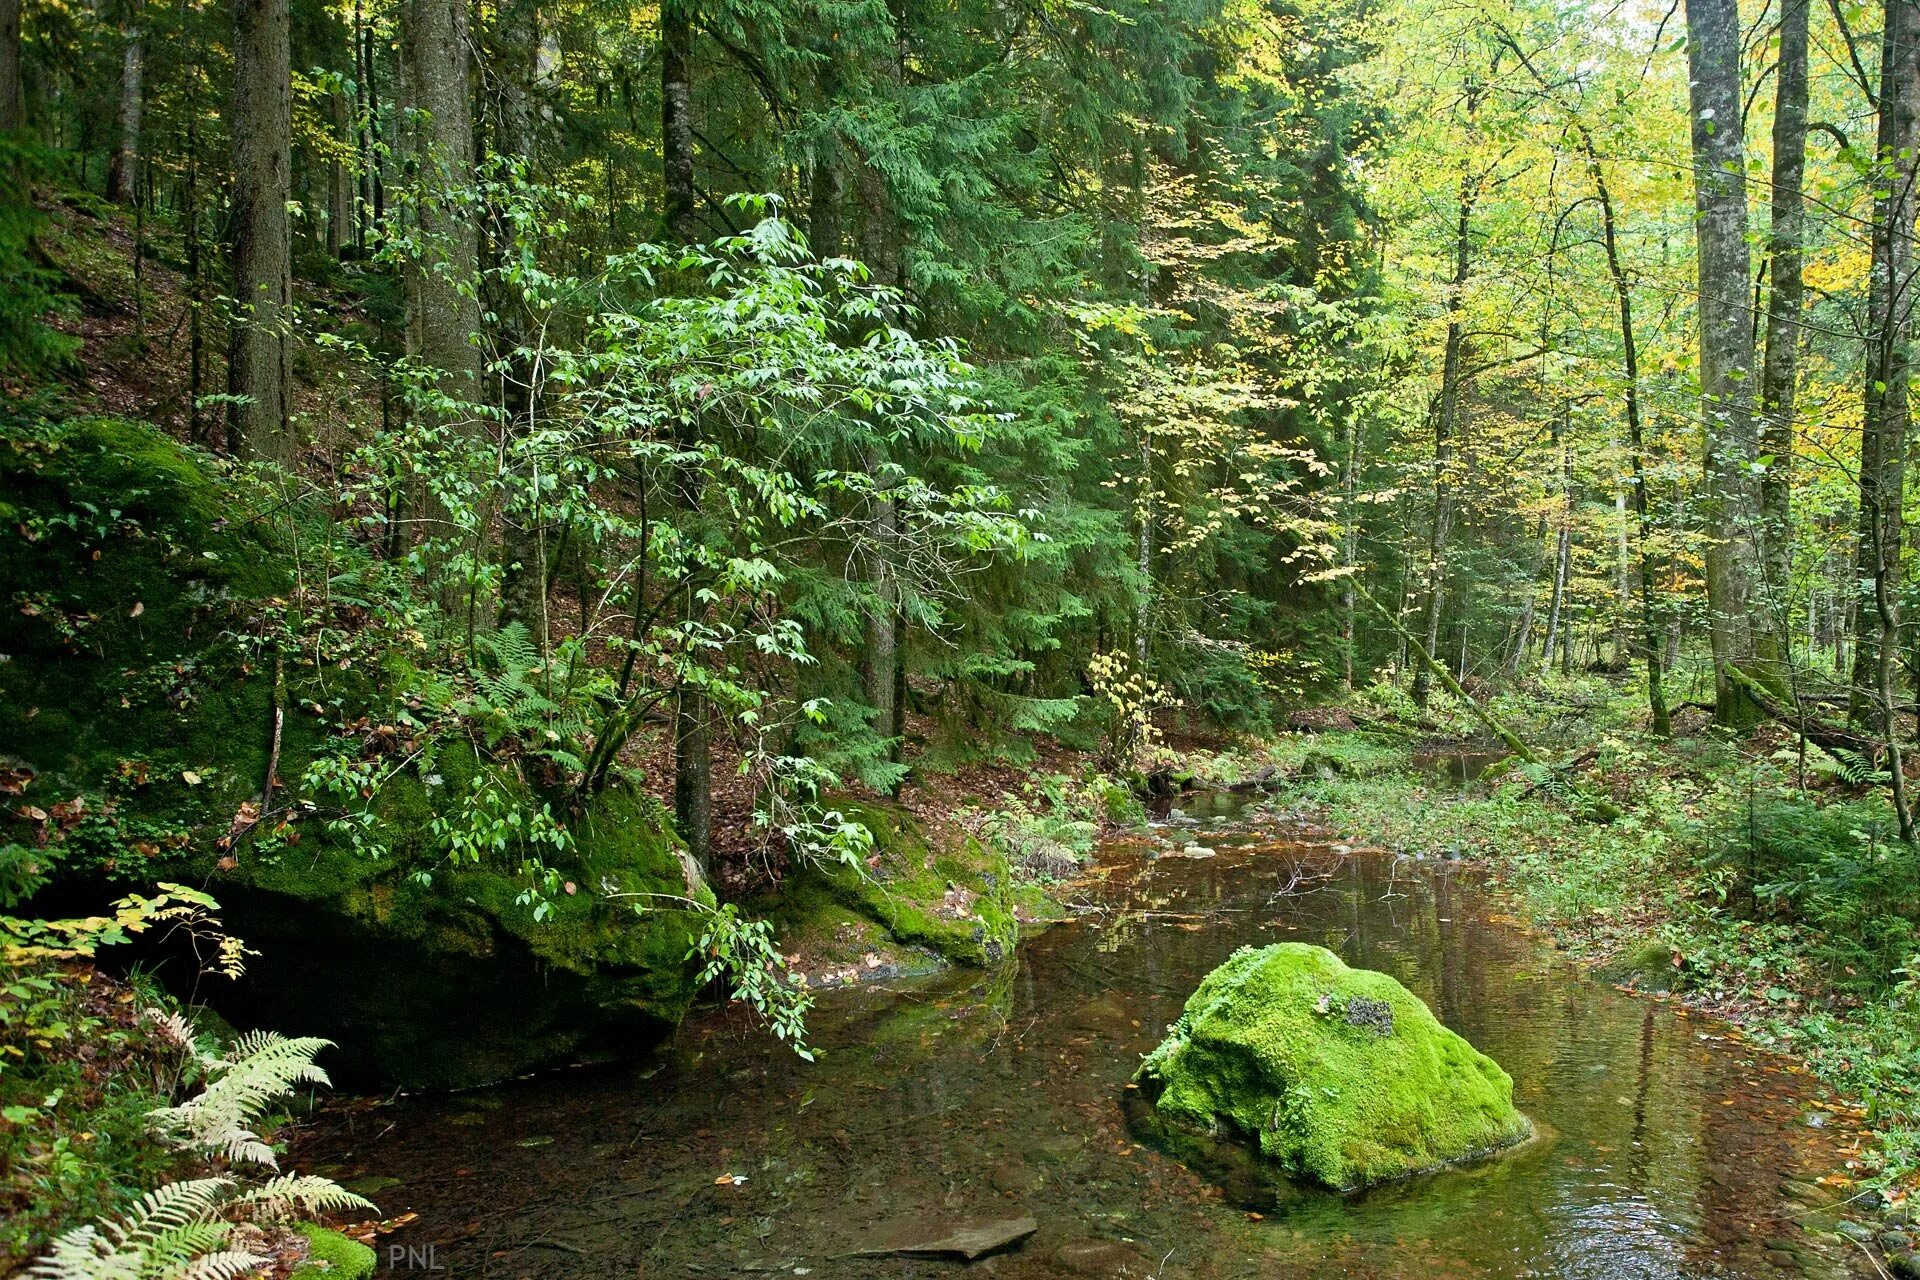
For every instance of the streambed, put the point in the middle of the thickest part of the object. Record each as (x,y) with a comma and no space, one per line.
(1667,1148)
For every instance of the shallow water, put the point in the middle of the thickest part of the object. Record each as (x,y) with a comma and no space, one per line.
(1667,1148)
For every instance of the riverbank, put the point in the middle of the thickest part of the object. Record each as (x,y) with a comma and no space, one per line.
(1747,880)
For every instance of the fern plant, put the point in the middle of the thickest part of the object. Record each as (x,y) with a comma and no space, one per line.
(514,696)
(261,1068)
(175,1232)
(184,1230)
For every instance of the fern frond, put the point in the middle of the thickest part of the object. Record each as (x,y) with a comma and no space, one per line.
(227,1264)
(298,1195)
(167,1208)
(172,1026)
(171,1226)
(261,1068)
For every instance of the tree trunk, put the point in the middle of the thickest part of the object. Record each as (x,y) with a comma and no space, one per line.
(126,152)
(1786,240)
(827,197)
(881,247)
(1446,417)
(446,317)
(1651,633)
(370,199)
(525,551)
(692,738)
(1562,546)
(1731,504)
(339,179)
(197,430)
(258,422)
(676,120)
(1349,545)
(1143,551)
(1883,430)
(13,100)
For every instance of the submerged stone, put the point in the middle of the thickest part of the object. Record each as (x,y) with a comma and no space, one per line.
(1339,1075)
(967,1240)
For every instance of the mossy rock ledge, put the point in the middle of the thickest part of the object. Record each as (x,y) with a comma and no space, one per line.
(956,904)
(1340,1076)
(131,567)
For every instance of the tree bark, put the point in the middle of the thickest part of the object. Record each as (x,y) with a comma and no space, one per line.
(13,103)
(1562,546)
(1652,633)
(258,422)
(676,120)
(692,738)
(446,317)
(1786,256)
(1446,417)
(371,203)
(1884,420)
(339,179)
(1731,505)
(121,172)
(525,536)
(882,248)
(827,196)
(1350,547)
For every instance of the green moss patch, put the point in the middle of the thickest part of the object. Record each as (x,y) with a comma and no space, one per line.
(332,1256)
(1339,1075)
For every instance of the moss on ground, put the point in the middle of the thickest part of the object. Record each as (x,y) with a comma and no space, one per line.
(332,1256)
(1646,966)
(1340,1075)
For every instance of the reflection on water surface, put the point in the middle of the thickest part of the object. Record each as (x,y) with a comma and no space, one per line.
(1667,1149)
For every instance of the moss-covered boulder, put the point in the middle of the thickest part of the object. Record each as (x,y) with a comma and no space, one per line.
(448,979)
(141,588)
(1340,1075)
(954,904)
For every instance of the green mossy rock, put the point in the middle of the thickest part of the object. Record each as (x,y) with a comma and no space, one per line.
(957,904)
(453,983)
(133,563)
(1341,1075)
(332,1256)
(1646,966)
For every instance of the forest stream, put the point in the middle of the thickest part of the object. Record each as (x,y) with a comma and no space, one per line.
(1666,1147)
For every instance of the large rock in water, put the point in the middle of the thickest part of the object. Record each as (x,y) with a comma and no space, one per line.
(1341,1075)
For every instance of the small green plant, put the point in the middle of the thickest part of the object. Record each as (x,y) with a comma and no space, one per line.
(1048,829)
(740,951)
(1125,697)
